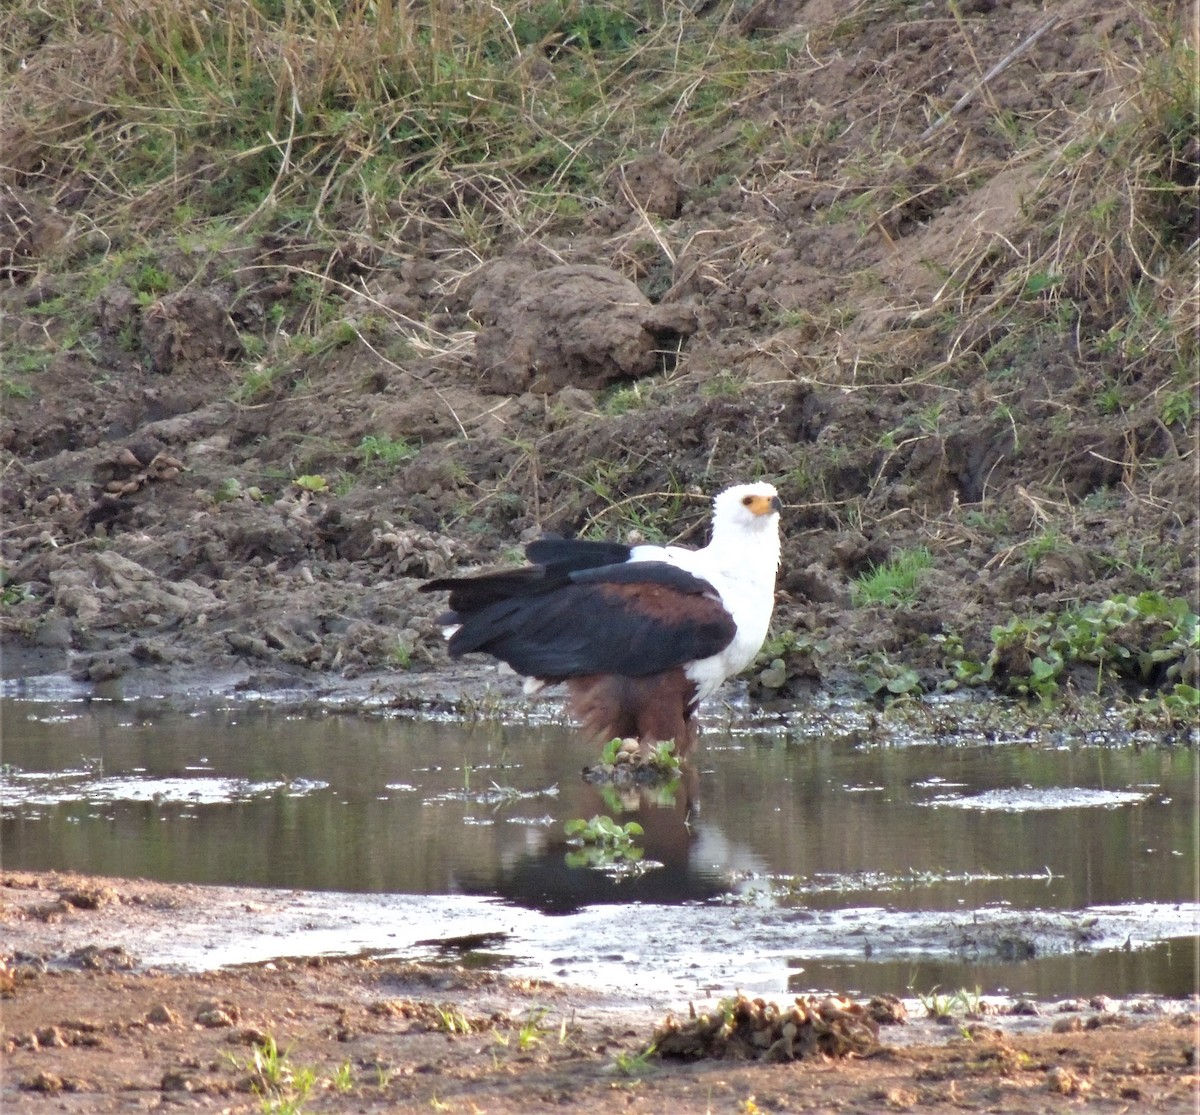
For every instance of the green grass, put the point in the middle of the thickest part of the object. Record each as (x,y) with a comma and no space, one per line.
(342,1078)
(210,136)
(19,359)
(635,1064)
(452,1021)
(388,452)
(300,154)
(322,122)
(294,109)
(940,1005)
(621,400)
(13,389)
(282,1087)
(531,1031)
(895,581)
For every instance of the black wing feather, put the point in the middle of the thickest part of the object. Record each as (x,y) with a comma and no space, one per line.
(555,560)
(636,618)
(568,554)
(472,594)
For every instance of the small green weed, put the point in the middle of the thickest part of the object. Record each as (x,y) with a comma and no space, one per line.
(11,593)
(635,1064)
(451,1021)
(256,381)
(1182,703)
(342,1078)
(621,400)
(387,451)
(1179,407)
(14,390)
(602,842)
(22,360)
(1048,542)
(1040,282)
(724,385)
(269,1063)
(231,488)
(530,1032)
(400,657)
(150,282)
(886,679)
(938,1006)
(893,582)
(281,1087)
(990,521)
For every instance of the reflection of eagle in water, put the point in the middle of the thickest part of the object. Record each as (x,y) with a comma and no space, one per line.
(640,634)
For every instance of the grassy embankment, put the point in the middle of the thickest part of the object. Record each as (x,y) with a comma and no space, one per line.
(166,145)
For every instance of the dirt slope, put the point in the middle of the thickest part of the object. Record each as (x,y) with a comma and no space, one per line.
(916,321)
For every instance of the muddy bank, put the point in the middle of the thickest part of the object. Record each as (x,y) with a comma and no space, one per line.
(89,1029)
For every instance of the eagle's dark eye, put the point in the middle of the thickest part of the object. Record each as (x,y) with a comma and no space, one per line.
(747,500)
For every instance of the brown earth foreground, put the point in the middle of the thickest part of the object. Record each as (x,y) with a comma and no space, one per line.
(86,1030)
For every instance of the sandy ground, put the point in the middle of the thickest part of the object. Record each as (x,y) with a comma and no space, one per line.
(88,1030)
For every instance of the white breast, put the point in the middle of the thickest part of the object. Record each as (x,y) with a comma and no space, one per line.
(740,563)
(750,600)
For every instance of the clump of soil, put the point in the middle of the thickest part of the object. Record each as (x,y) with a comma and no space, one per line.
(754,1029)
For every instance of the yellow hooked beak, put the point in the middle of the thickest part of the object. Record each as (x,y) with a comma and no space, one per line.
(763,505)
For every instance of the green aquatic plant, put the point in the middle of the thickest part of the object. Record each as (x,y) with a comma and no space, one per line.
(662,759)
(1148,640)
(602,842)
(886,679)
(602,830)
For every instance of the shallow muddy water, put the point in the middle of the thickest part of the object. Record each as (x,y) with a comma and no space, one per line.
(795,858)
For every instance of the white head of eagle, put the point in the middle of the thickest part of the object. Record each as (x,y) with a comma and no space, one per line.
(639,634)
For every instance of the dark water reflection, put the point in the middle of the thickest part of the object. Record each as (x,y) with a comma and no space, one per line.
(324,801)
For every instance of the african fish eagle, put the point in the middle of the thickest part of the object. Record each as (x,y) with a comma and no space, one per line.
(640,634)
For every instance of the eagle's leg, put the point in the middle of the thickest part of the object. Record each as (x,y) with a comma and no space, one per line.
(652,709)
(667,722)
